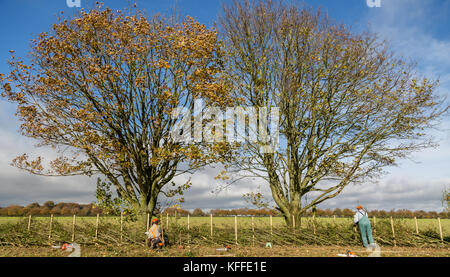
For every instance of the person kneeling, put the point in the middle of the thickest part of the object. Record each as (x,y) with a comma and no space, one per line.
(155,239)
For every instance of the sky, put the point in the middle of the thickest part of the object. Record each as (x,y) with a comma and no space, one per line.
(415,29)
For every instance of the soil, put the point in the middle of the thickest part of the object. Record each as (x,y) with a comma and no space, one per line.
(236,251)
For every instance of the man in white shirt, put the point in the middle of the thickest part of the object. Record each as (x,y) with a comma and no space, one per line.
(361,218)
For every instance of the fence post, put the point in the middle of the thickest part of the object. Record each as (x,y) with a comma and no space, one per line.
(50,229)
(188,227)
(29,223)
(211,219)
(235,229)
(73,228)
(96,227)
(293,222)
(393,232)
(167,220)
(148,227)
(121,226)
(417,226)
(374,224)
(334,220)
(253,231)
(440,230)
(314,224)
(162,231)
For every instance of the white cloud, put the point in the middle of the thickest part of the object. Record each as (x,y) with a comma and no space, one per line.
(20,187)
(395,192)
(412,29)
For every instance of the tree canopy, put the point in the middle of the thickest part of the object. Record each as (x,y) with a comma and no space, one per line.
(348,105)
(101,88)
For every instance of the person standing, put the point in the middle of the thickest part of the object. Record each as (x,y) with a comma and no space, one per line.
(362,219)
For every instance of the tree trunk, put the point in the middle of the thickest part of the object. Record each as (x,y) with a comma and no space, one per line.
(293,215)
(145,207)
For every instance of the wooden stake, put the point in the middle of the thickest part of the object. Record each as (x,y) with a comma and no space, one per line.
(211,216)
(148,227)
(417,226)
(96,227)
(73,228)
(393,232)
(374,225)
(440,230)
(314,224)
(167,221)
(29,223)
(188,227)
(162,233)
(293,222)
(188,222)
(334,219)
(235,229)
(253,231)
(50,228)
(121,226)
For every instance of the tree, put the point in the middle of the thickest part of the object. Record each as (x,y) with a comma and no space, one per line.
(198,212)
(66,210)
(446,199)
(44,210)
(14,210)
(56,210)
(32,205)
(106,202)
(35,211)
(348,107)
(3,211)
(85,211)
(101,89)
(49,204)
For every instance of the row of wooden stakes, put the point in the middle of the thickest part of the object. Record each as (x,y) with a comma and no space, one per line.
(235,226)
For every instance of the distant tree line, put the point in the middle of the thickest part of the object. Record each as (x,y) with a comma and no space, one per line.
(62,208)
(50,207)
(220,212)
(402,213)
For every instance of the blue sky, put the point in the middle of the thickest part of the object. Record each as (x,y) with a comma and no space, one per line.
(416,29)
